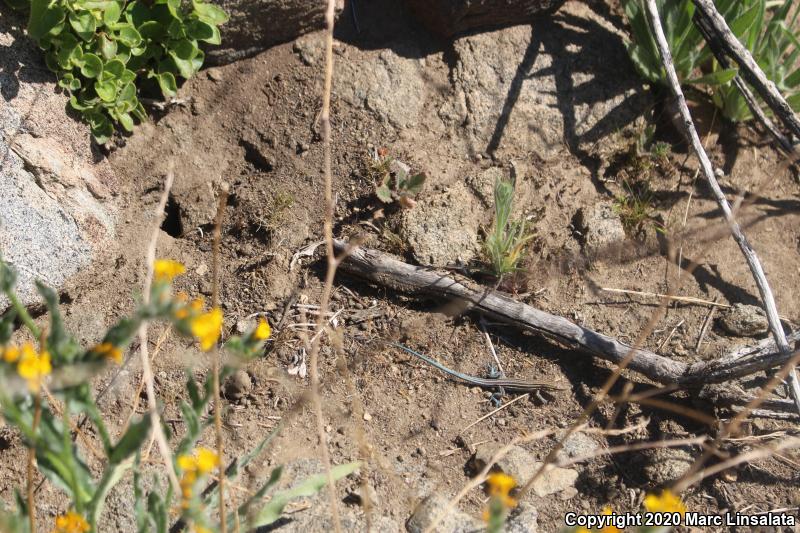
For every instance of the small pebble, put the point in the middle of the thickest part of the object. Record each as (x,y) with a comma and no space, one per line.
(367,416)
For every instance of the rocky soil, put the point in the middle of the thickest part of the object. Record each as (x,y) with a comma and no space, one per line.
(555,104)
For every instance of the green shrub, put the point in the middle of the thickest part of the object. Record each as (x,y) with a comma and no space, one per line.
(37,379)
(104,50)
(774,46)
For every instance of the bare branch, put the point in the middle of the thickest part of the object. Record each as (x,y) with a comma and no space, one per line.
(705,163)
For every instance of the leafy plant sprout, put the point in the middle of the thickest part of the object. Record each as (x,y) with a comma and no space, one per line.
(505,244)
(394,182)
(635,206)
(103,52)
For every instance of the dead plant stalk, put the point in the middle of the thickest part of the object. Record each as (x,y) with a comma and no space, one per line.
(147,371)
(223,200)
(325,119)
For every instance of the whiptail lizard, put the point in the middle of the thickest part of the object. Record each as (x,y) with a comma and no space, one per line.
(500,383)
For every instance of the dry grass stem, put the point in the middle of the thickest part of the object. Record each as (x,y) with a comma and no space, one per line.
(685,299)
(481,477)
(147,371)
(492,413)
(215,258)
(325,118)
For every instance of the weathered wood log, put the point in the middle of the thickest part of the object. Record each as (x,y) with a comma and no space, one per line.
(450,17)
(390,272)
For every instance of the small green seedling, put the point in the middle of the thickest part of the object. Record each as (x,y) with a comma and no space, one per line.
(102,51)
(635,207)
(397,184)
(505,244)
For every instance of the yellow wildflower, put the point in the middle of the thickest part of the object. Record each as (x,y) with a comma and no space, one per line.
(611,528)
(207,328)
(108,351)
(200,529)
(666,503)
(186,463)
(71,522)
(167,269)
(201,463)
(10,354)
(33,366)
(263,331)
(207,460)
(500,485)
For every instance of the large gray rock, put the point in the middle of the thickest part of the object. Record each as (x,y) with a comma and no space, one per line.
(54,205)
(255,25)
(442,229)
(558,83)
(449,17)
(429,510)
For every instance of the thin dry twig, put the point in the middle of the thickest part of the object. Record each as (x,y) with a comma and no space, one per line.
(331,264)
(147,371)
(704,329)
(633,447)
(491,347)
(492,413)
(215,258)
(686,299)
(708,172)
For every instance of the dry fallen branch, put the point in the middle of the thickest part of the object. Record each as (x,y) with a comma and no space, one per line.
(778,104)
(384,269)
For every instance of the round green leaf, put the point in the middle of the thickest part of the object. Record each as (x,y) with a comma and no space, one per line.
(51,60)
(102,129)
(44,19)
(174,7)
(209,13)
(128,35)
(112,13)
(69,82)
(202,31)
(66,49)
(182,52)
(83,23)
(126,121)
(108,47)
(106,90)
(127,76)
(177,30)
(92,66)
(169,87)
(127,96)
(152,30)
(79,105)
(115,68)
